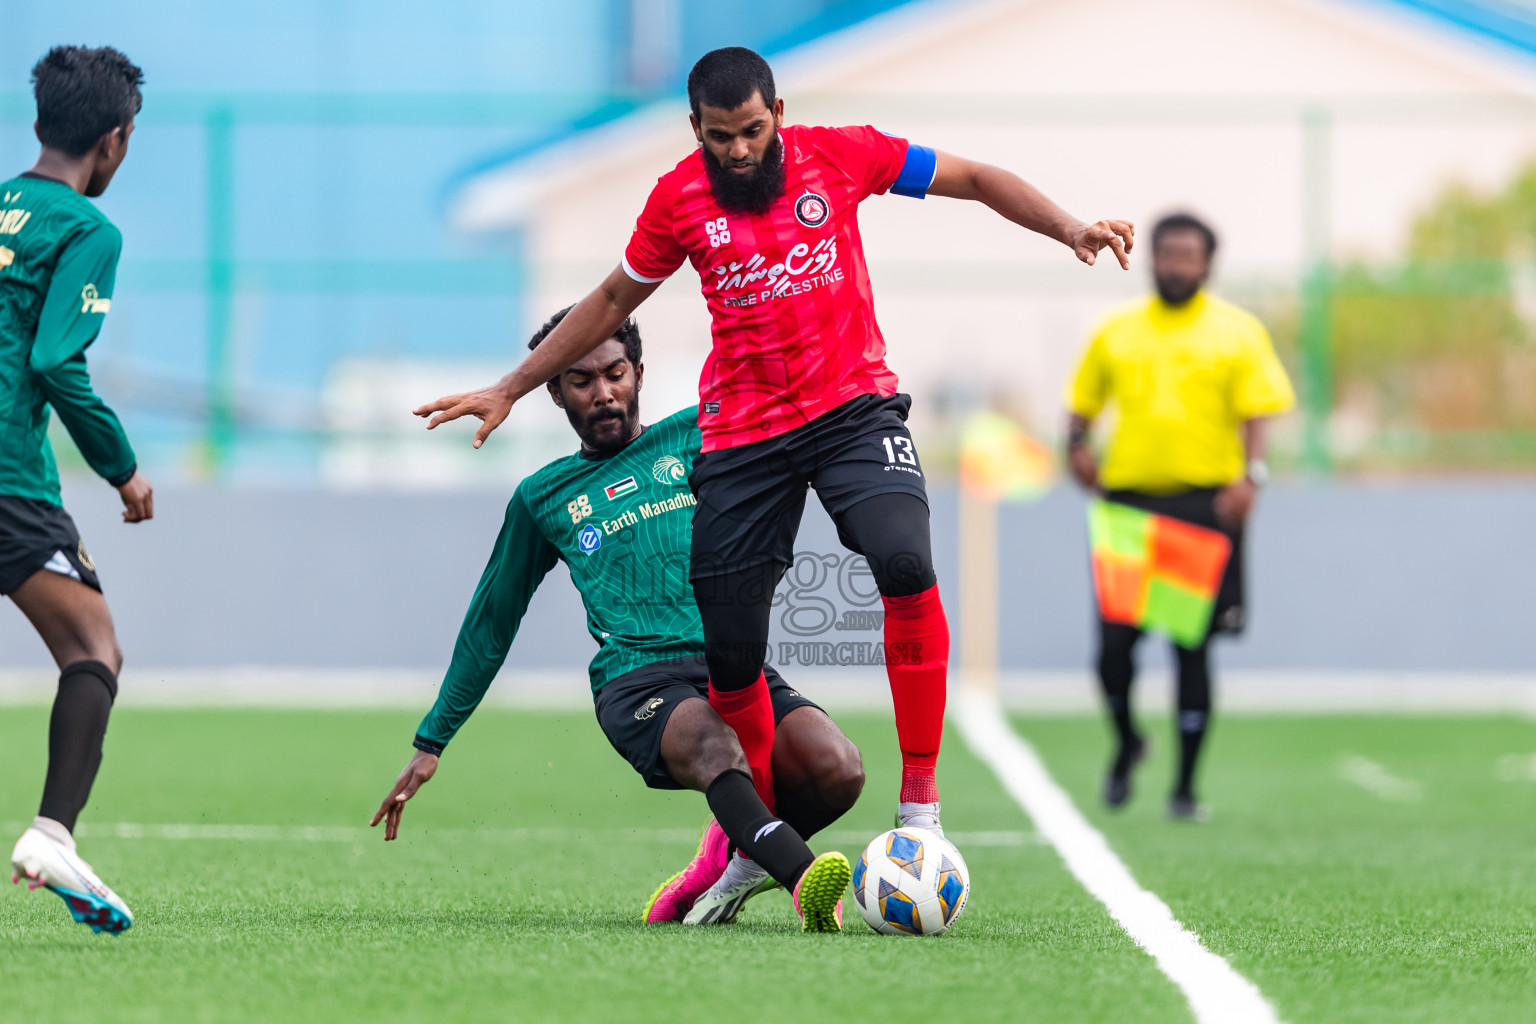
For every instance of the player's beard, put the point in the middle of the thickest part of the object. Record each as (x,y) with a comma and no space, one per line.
(1175,289)
(749,193)
(609,441)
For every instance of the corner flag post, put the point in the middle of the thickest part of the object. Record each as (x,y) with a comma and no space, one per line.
(998,462)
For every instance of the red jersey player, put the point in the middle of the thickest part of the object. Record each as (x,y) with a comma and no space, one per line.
(795,392)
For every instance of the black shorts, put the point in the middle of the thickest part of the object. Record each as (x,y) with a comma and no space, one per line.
(633,709)
(40,535)
(751,497)
(1198,506)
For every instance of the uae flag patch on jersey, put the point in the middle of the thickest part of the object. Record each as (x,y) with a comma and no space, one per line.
(623,487)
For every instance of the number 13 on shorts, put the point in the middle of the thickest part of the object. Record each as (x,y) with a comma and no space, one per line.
(898,449)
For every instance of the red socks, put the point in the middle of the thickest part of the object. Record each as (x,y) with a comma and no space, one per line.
(917,661)
(749,711)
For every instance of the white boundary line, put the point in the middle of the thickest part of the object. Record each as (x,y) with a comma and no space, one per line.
(1217,994)
(1376,780)
(837,689)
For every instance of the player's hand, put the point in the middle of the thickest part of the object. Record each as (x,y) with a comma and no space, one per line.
(490,405)
(1084,466)
(1234,502)
(1118,235)
(138,499)
(422,767)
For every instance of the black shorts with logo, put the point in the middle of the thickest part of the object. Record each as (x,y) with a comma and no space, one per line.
(38,534)
(751,497)
(633,709)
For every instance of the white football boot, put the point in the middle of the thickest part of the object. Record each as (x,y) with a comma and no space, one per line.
(910,815)
(45,862)
(721,902)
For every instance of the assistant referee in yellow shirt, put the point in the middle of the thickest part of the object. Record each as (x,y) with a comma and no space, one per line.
(1193,379)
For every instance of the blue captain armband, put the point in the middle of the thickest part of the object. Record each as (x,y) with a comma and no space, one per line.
(917,173)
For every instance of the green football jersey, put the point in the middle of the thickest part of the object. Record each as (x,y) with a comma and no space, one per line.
(623,525)
(58,261)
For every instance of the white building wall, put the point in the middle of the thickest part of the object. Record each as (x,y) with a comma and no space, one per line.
(1115,108)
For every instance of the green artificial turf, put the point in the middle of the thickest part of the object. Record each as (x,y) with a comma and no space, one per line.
(514,893)
(1414,901)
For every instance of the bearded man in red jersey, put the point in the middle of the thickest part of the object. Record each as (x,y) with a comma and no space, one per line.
(795,392)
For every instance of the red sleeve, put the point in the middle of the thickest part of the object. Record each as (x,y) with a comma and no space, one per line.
(872,158)
(653,252)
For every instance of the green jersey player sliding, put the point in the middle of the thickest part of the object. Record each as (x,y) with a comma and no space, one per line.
(619,513)
(58,259)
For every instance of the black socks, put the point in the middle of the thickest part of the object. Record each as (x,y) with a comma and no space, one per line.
(1117,669)
(755,831)
(1194,711)
(75,733)
(1191,736)
(805,810)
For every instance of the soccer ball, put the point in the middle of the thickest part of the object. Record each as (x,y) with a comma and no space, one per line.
(911,881)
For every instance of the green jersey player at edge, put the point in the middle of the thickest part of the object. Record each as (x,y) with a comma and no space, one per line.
(619,513)
(58,262)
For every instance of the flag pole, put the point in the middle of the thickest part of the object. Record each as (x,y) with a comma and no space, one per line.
(978,593)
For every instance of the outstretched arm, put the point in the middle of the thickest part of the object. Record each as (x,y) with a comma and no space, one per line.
(1019,201)
(519,562)
(588,325)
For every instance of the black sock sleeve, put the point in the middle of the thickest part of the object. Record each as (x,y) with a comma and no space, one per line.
(754,829)
(75,733)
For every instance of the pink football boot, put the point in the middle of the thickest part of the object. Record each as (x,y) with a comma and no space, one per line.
(674,898)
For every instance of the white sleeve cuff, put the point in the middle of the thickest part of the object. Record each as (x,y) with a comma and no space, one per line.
(632,272)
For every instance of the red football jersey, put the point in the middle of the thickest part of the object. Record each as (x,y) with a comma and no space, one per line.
(788,290)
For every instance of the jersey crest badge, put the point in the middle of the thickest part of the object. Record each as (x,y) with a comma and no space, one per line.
(90,302)
(812,210)
(623,487)
(669,470)
(589,539)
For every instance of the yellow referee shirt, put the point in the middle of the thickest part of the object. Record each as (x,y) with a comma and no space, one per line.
(1183,379)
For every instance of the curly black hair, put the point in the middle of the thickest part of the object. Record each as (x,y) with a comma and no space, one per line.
(628,334)
(1185,222)
(82,94)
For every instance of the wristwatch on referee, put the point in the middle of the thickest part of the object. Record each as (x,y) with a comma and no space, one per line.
(1258,472)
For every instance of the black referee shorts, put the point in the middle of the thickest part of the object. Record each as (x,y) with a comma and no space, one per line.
(751,497)
(634,708)
(40,535)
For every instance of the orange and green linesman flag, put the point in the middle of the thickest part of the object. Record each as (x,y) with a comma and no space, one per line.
(1155,572)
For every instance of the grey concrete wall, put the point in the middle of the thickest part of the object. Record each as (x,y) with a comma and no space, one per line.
(1421,575)
(1388,576)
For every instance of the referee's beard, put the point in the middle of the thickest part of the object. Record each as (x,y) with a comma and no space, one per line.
(607,431)
(1177,289)
(752,191)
